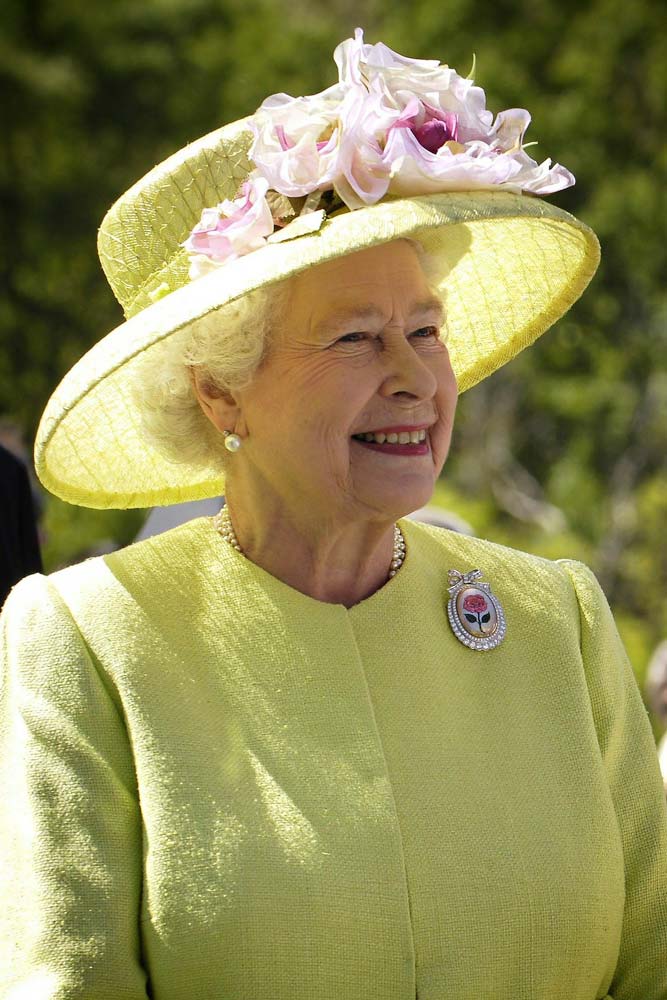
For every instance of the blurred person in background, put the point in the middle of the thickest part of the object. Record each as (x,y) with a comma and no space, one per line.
(308,747)
(19,543)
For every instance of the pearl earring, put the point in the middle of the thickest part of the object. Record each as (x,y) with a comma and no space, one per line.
(232,441)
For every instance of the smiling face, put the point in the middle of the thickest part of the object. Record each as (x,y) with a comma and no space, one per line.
(358,354)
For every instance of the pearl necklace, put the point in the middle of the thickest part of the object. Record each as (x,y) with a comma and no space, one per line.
(222,523)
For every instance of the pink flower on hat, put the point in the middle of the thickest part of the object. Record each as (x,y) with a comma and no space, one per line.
(395,125)
(232,229)
(421,88)
(296,141)
(391,125)
(436,130)
(362,176)
(444,138)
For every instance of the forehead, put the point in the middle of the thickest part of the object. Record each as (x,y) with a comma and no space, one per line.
(382,282)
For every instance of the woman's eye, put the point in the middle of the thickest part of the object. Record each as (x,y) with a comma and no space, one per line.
(425,331)
(351,338)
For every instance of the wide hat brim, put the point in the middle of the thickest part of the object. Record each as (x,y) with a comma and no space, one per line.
(510,265)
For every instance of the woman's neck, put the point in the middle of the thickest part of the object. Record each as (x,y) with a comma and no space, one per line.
(334,561)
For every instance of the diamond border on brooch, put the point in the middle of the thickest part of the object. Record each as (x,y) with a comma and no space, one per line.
(457,582)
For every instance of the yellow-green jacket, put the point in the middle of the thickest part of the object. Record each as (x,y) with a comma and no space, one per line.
(217,788)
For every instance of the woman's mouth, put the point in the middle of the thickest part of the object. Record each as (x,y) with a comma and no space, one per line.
(396,441)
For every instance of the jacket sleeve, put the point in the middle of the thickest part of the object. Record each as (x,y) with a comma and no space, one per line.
(630,760)
(70,834)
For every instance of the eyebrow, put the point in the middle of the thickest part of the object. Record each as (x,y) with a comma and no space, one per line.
(343,318)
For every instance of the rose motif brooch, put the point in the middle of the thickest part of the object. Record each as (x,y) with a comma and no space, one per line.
(475,613)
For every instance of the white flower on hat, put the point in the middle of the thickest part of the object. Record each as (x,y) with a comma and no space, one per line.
(296,144)
(358,61)
(362,177)
(231,229)
(395,125)
(401,79)
(443,137)
(390,126)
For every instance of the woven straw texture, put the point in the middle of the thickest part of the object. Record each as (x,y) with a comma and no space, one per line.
(511,265)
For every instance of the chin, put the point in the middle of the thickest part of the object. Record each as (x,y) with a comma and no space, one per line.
(403,502)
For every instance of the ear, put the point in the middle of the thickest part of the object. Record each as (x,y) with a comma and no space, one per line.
(220,407)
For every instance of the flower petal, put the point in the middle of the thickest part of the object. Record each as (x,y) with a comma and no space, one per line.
(233,229)
(509,128)
(293,147)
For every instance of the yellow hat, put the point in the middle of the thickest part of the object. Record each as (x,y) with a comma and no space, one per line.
(510,264)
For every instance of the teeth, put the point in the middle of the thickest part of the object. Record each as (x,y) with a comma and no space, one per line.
(404,437)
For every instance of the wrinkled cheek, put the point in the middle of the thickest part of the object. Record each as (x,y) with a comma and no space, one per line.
(330,459)
(441,439)
(344,475)
(447,403)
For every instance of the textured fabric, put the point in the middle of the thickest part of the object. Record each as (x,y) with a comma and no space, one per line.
(510,265)
(218,788)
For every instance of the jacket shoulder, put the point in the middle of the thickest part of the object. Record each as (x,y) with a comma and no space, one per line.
(530,584)
(102,583)
(471,548)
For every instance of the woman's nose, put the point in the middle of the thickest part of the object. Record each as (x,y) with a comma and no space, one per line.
(406,371)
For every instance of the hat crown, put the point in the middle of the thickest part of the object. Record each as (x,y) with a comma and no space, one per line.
(140,238)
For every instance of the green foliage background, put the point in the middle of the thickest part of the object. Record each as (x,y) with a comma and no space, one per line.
(563,451)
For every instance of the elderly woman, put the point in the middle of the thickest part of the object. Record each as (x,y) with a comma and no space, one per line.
(307,748)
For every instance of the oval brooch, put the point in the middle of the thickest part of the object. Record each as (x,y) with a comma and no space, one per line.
(475,614)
